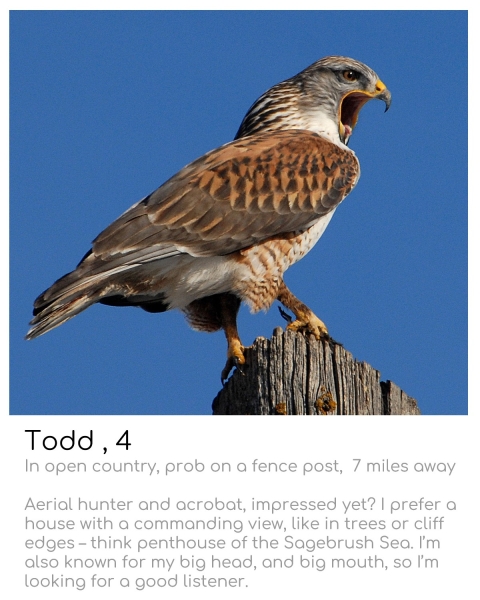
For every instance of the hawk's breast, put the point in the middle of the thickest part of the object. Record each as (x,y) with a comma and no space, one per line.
(258,270)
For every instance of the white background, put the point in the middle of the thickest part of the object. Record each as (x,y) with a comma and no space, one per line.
(242,439)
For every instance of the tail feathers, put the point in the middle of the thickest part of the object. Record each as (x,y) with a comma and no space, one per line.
(67,297)
(57,313)
(116,283)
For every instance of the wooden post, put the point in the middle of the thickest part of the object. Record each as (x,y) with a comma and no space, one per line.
(294,374)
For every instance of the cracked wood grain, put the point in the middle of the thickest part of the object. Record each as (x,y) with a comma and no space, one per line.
(291,374)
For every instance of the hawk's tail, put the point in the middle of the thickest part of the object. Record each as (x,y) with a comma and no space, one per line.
(67,297)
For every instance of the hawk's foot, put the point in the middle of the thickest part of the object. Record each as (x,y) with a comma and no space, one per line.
(235,358)
(309,323)
(305,320)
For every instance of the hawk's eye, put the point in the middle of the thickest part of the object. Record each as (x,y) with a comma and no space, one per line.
(350,75)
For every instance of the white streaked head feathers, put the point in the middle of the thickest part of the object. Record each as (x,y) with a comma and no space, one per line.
(312,99)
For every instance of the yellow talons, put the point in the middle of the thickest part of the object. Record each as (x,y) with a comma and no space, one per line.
(305,320)
(309,324)
(235,358)
(235,351)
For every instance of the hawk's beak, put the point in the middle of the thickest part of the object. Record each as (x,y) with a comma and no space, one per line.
(382,93)
(352,103)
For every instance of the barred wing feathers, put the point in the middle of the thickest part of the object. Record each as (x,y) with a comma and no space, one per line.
(231,198)
(235,196)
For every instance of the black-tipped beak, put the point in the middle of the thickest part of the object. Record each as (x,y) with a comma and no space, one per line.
(386,96)
(383,94)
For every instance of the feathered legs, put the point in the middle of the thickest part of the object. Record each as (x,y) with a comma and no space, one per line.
(306,321)
(229,305)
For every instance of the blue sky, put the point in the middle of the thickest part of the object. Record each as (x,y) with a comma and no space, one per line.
(105,106)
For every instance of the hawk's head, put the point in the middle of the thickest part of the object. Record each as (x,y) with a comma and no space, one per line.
(326,98)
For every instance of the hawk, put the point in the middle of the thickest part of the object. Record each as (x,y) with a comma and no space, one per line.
(225,228)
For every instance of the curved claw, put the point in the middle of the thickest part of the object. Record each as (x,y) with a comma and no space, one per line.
(285,315)
(235,358)
(311,324)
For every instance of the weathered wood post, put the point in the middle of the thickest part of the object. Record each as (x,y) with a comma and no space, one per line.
(292,374)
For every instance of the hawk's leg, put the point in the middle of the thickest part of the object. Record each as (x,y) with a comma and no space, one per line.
(229,305)
(305,320)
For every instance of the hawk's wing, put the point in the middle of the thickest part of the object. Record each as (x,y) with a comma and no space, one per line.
(240,194)
(232,197)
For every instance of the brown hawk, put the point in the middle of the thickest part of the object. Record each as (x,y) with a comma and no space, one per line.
(225,228)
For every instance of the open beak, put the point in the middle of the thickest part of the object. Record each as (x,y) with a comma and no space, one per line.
(352,103)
